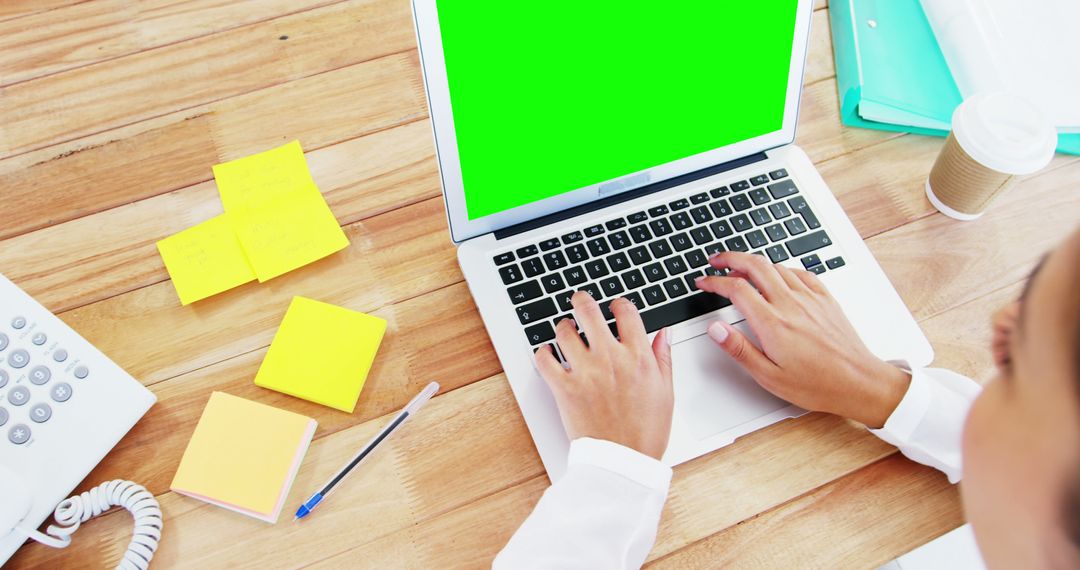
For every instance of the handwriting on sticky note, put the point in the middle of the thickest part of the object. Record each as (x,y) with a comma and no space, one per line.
(205,260)
(261,180)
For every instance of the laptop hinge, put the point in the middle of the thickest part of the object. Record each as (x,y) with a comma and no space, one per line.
(627,196)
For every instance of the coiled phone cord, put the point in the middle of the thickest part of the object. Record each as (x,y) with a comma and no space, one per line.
(78,509)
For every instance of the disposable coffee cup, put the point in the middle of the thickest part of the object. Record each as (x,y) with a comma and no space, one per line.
(996,138)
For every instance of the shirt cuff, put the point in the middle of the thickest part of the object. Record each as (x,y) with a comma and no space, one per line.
(622,460)
(909,414)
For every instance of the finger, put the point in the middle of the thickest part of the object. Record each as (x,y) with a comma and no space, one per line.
(631,329)
(742,350)
(570,343)
(760,270)
(791,279)
(661,347)
(811,281)
(742,294)
(591,320)
(549,367)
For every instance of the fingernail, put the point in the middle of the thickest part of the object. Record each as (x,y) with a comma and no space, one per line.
(717,332)
(698,278)
(715,255)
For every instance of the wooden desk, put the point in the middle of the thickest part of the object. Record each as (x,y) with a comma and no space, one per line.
(113,111)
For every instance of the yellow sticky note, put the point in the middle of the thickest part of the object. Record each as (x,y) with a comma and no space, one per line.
(205,260)
(265,178)
(322,353)
(244,456)
(288,235)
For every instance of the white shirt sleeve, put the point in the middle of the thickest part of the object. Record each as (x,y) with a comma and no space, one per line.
(603,513)
(928,425)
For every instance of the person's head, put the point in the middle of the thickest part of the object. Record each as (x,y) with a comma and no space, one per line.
(1021,486)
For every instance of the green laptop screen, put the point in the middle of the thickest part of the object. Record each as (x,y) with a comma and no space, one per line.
(553,96)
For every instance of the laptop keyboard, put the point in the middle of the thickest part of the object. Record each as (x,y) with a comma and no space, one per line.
(652,257)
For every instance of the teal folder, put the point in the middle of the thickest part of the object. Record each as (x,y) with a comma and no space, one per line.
(890,72)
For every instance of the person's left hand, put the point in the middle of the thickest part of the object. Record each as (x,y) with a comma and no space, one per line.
(616,390)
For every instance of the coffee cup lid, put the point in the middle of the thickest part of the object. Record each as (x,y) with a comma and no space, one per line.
(1004,132)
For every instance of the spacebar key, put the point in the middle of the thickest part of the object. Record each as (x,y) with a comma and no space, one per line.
(682,310)
(808,243)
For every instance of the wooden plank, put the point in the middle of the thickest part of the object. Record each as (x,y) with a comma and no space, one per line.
(11,9)
(113,252)
(57,40)
(882,511)
(48,110)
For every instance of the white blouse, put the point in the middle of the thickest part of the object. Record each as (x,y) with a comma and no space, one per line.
(605,510)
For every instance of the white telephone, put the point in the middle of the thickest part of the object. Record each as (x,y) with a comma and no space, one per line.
(63,406)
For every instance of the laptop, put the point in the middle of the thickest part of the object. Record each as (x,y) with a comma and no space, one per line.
(612,147)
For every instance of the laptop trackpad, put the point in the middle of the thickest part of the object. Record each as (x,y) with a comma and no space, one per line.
(713,393)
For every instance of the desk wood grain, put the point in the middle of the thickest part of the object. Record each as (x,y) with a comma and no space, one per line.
(113,111)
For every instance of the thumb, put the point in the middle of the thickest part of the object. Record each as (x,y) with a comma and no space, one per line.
(661,346)
(740,349)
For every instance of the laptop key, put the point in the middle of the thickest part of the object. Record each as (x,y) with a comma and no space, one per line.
(593,231)
(596,268)
(660,248)
(675,288)
(779,210)
(778,174)
(756,239)
(681,221)
(696,258)
(681,242)
(633,279)
(760,196)
(555,260)
(817,269)
(782,189)
(535,311)
(741,223)
(741,202)
(811,260)
(658,211)
(615,224)
(574,276)
(721,229)
(776,232)
(701,214)
(701,236)
(699,198)
(598,247)
(759,179)
(714,248)
(807,243)
(525,292)
(760,216)
(503,258)
(835,263)
(798,204)
(660,227)
(795,226)
(640,234)
(592,290)
(776,253)
(691,280)
(653,295)
(637,217)
(611,286)
(527,251)
(572,237)
(552,282)
(510,274)
(618,262)
(719,192)
(681,310)
(740,186)
(680,204)
(736,243)
(563,299)
(654,272)
(640,255)
(549,244)
(532,267)
(635,299)
(540,333)
(619,240)
(675,265)
(576,253)
(720,208)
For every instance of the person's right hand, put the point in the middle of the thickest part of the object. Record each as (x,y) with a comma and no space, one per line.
(810,354)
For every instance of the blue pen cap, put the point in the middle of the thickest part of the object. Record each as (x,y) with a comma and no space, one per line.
(309,506)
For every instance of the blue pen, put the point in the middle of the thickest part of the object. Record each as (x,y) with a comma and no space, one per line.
(408,411)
